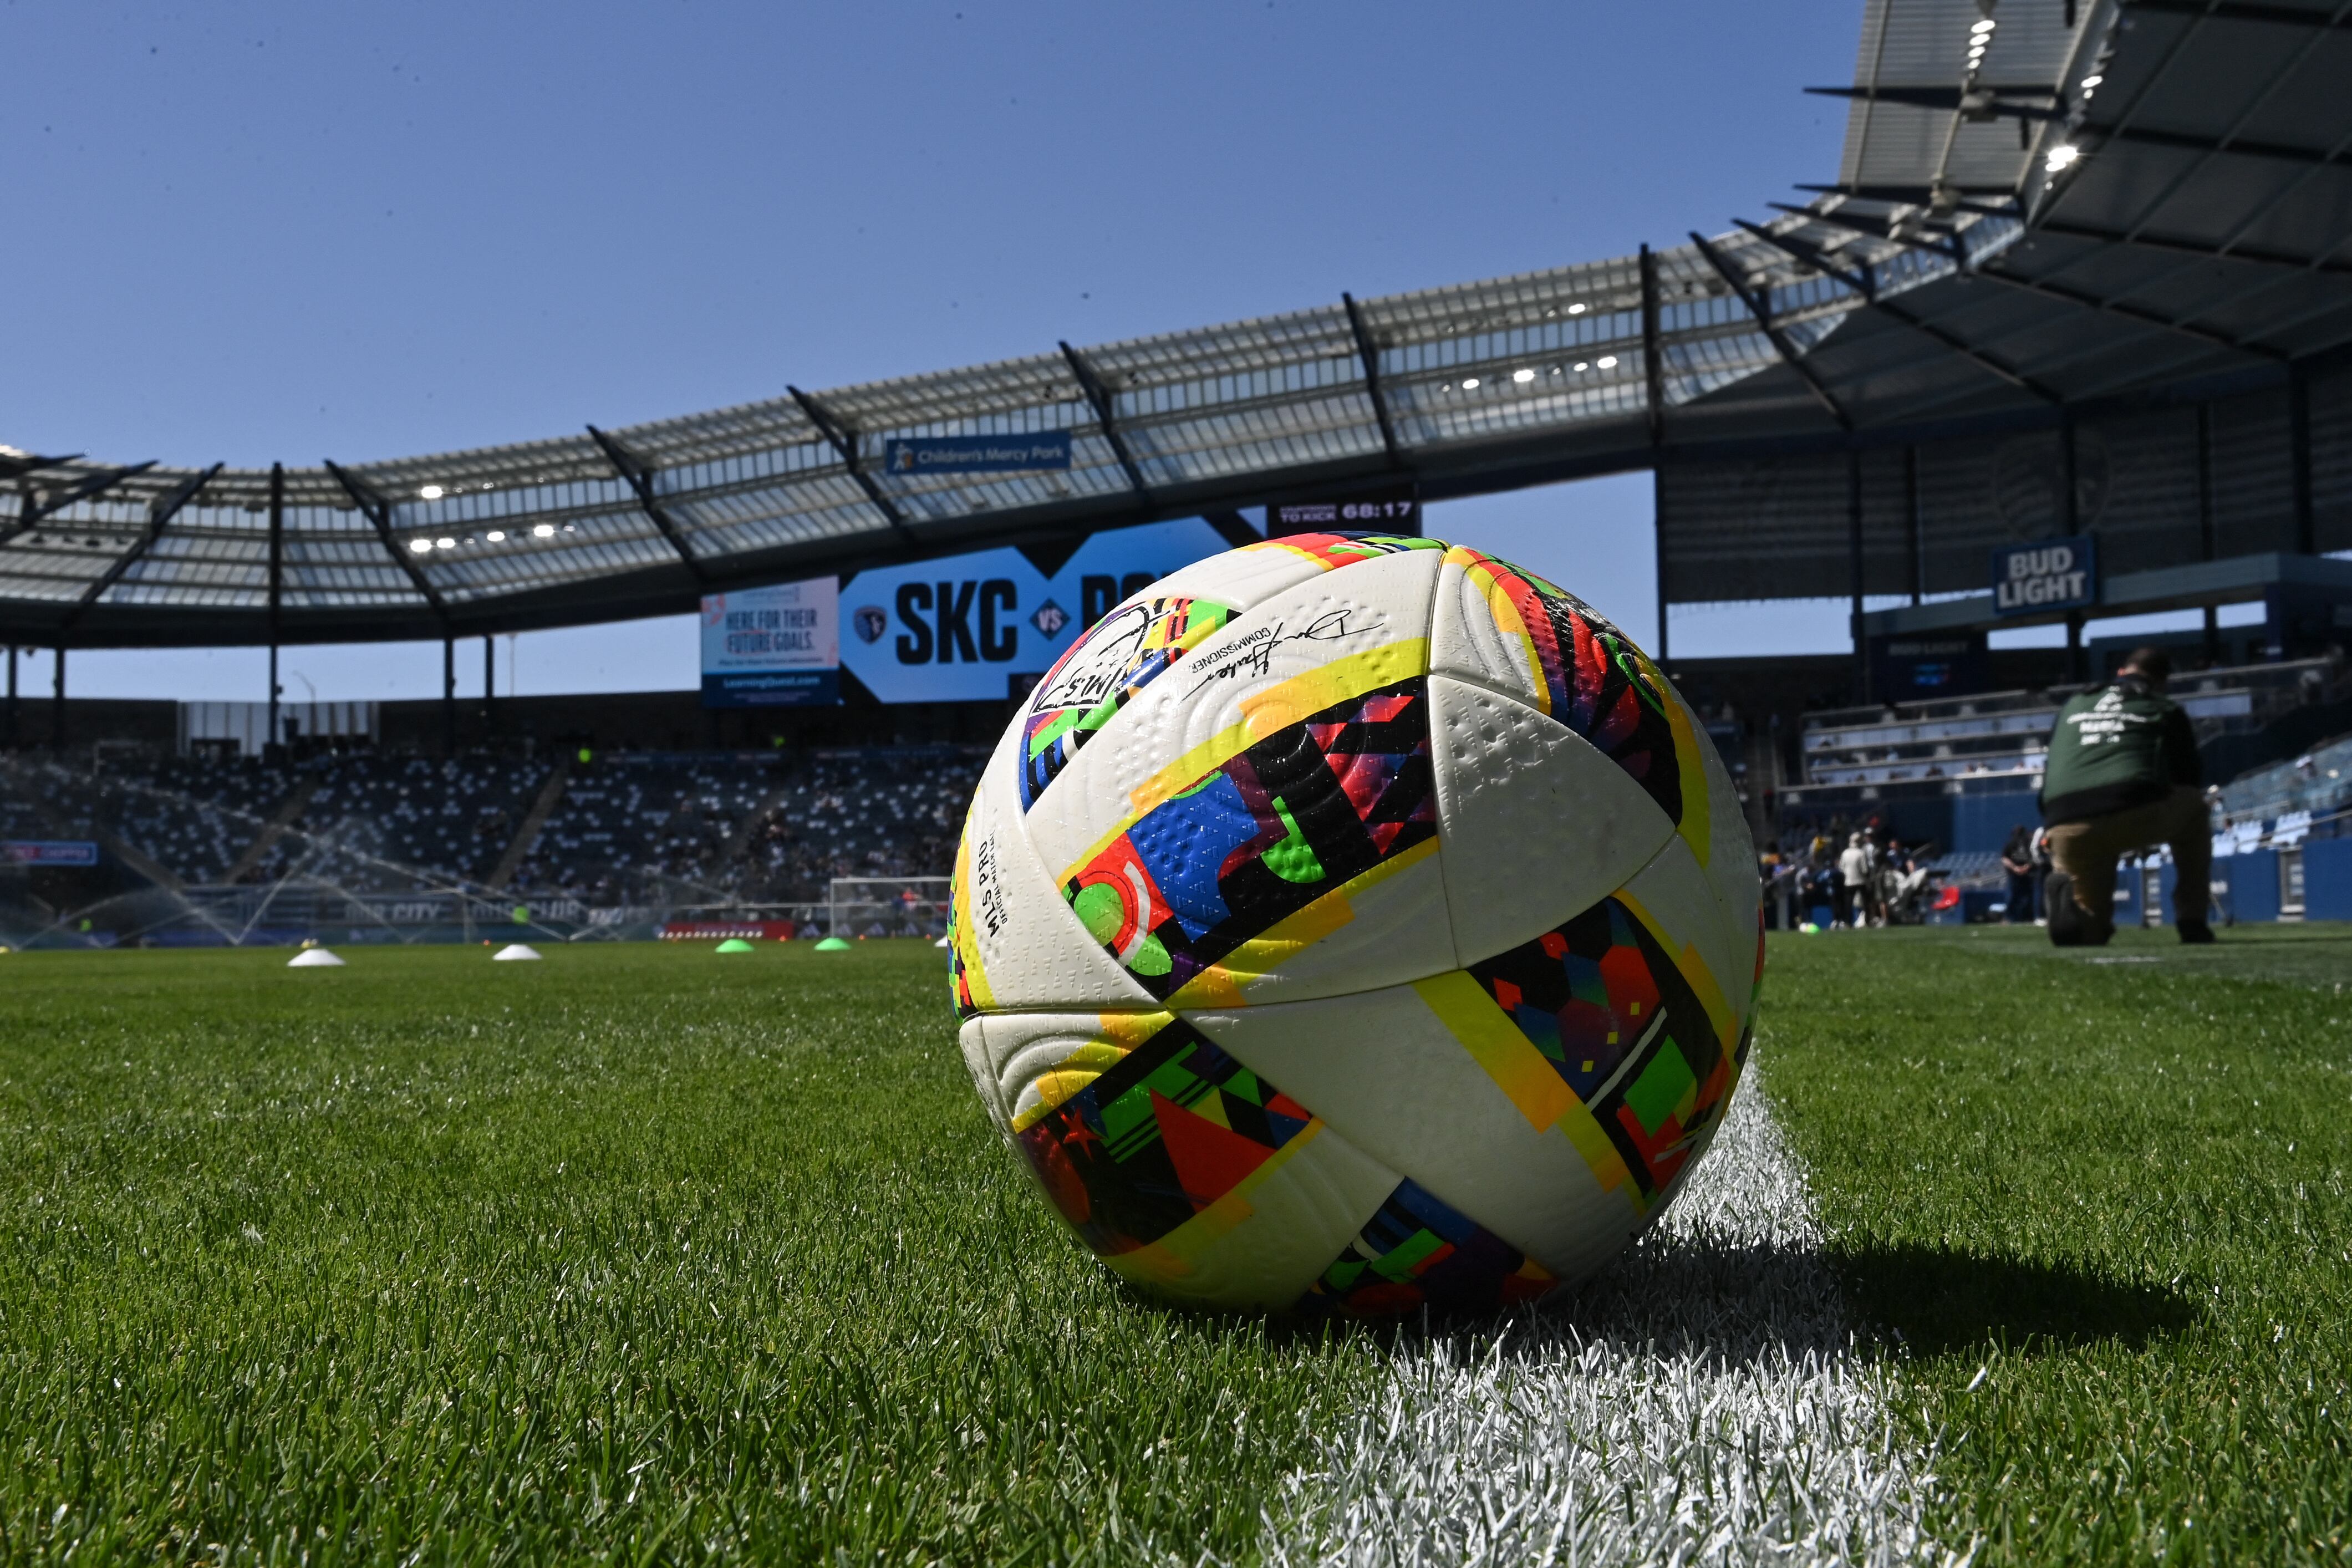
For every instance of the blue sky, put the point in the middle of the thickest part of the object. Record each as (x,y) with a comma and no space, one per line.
(281,232)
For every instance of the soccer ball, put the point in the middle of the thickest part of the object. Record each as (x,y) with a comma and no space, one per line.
(1354,923)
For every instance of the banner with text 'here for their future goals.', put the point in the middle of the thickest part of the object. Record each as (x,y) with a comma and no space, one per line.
(772,648)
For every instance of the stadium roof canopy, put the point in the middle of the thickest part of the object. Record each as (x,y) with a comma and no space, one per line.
(2044,207)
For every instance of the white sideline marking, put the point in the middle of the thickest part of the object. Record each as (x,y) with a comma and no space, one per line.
(1704,1401)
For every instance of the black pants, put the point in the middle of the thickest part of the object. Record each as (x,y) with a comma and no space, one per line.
(2020,899)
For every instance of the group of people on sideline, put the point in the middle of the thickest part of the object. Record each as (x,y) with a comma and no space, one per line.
(2123,776)
(1873,879)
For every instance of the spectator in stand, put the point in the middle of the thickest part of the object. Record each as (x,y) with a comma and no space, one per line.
(2124,774)
(2016,860)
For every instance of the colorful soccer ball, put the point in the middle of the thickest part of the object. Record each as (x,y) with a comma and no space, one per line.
(1356,924)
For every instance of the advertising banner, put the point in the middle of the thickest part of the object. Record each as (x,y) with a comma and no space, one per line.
(2050,574)
(1039,449)
(1914,668)
(772,648)
(985,627)
(47,852)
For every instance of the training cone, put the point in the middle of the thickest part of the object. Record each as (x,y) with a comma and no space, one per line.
(314,958)
(833,944)
(733,945)
(515,952)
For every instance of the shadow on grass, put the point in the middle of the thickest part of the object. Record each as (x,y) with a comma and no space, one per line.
(1940,1299)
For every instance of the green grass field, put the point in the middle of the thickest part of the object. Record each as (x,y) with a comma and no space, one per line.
(641,1253)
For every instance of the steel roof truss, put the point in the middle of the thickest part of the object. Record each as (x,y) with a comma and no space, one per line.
(378,510)
(1760,305)
(31,511)
(1106,419)
(845,441)
(641,480)
(1864,284)
(1370,352)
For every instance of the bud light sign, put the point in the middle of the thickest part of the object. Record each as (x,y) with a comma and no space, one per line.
(2053,574)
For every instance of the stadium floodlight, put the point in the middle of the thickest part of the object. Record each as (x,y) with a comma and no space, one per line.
(2092,80)
(445,544)
(1981,28)
(2062,156)
(1581,365)
(496,536)
(1607,361)
(543,531)
(1577,309)
(1523,376)
(420,547)
(431,492)
(1470,384)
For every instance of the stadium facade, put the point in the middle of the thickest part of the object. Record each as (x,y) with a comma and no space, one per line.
(2082,282)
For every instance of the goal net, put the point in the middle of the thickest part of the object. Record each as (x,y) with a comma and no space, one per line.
(887,906)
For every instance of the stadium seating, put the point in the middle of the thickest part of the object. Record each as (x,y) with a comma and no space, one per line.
(2307,797)
(195,817)
(643,830)
(2007,733)
(376,822)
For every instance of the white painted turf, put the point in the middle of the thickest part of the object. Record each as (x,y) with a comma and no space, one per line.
(1706,1400)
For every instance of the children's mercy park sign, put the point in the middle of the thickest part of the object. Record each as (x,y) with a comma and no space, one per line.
(2053,574)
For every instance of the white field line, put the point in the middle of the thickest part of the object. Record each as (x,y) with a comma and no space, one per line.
(1705,1401)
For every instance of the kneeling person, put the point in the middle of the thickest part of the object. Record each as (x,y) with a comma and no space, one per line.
(2124,774)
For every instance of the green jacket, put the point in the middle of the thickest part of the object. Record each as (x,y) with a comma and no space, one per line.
(2116,749)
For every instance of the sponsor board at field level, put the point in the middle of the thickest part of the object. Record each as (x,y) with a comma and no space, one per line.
(772,648)
(2050,574)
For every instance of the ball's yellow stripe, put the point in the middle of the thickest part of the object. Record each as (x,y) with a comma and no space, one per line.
(1263,713)
(1700,978)
(1524,1074)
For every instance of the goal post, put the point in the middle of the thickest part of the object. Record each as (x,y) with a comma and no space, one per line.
(887,905)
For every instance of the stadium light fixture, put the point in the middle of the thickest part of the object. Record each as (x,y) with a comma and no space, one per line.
(1580,366)
(1470,384)
(431,492)
(2090,81)
(1981,29)
(2062,156)
(1607,361)
(543,531)
(496,536)
(420,547)
(1523,376)
(445,544)
(1577,309)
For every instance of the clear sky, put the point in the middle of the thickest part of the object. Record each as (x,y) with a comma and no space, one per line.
(279,231)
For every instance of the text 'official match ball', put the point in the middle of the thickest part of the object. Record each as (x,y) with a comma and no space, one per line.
(1354,923)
